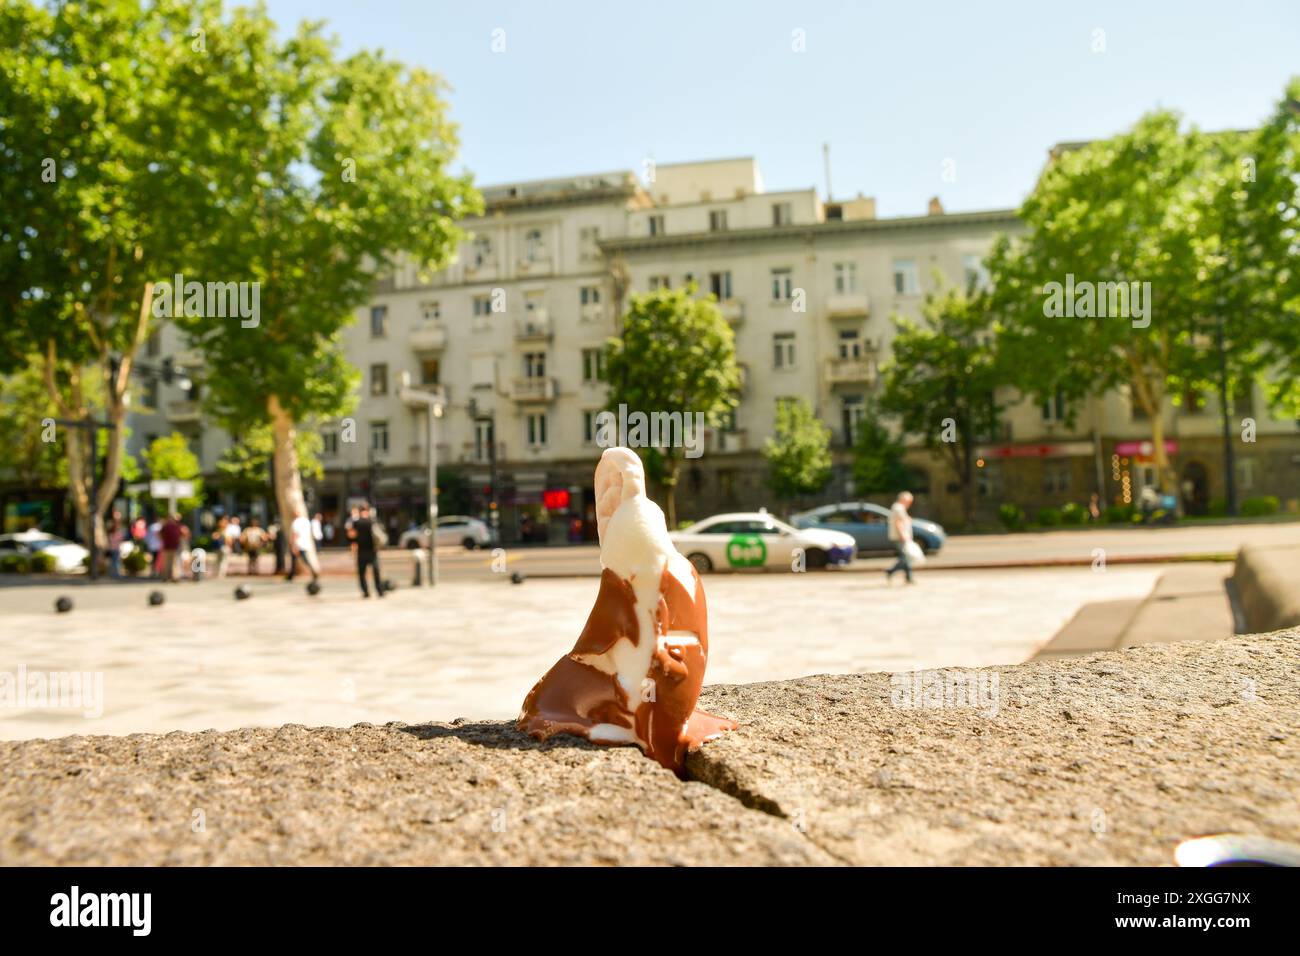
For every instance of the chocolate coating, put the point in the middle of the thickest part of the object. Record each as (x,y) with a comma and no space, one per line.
(575,696)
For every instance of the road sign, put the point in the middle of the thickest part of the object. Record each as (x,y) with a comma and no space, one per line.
(171,488)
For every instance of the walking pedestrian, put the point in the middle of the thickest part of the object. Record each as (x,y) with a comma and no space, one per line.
(221,544)
(900,533)
(366,548)
(170,534)
(301,546)
(115,532)
(317,531)
(153,544)
(253,541)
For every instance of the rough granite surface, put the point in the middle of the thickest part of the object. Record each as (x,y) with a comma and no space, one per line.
(1107,759)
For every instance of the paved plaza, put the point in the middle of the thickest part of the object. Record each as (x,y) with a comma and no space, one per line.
(472,648)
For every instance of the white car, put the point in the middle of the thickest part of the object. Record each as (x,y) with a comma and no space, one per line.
(68,555)
(755,539)
(452,529)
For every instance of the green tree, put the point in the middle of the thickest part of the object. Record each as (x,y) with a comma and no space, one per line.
(799,453)
(1136,208)
(334,171)
(676,353)
(24,406)
(942,379)
(244,467)
(103,185)
(878,465)
(169,456)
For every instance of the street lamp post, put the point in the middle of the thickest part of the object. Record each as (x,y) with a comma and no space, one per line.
(433,405)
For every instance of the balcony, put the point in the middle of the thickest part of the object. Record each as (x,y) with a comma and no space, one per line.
(845,371)
(429,337)
(846,305)
(538,265)
(733,310)
(533,389)
(536,327)
(592,312)
(183,412)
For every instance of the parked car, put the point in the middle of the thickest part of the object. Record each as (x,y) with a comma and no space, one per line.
(68,555)
(452,529)
(869,525)
(758,540)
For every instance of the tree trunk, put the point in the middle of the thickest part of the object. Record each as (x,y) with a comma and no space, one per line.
(670,492)
(288,482)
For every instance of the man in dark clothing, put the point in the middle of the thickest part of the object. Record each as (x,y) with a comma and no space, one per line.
(362,534)
(171,533)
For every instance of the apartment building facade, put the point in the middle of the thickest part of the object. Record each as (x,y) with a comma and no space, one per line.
(510,336)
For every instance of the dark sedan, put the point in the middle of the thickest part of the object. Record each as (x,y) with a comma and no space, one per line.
(869,525)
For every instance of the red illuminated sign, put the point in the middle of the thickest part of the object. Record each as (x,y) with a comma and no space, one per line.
(556,499)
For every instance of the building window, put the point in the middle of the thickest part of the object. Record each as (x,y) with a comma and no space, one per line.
(852,410)
(720,285)
(846,278)
(432,311)
(329,439)
(151,392)
(482,305)
(718,220)
(660,282)
(379,379)
(589,427)
(533,245)
(589,243)
(534,302)
(153,345)
(988,480)
(482,251)
(429,372)
(781,214)
(482,439)
(905,282)
(593,366)
(535,429)
(1055,408)
(782,285)
(534,365)
(378,321)
(655,225)
(590,294)
(379,436)
(850,344)
(977,277)
(783,350)
(1056,477)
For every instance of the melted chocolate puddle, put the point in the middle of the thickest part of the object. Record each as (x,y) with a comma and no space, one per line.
(574,696)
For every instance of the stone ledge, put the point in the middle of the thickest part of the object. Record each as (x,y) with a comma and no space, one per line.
(1267,582)
(1108,759)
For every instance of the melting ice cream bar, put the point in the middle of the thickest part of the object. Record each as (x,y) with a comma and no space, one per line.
(636,671)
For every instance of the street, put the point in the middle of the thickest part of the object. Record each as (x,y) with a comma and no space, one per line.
(472,648)
(1118,543)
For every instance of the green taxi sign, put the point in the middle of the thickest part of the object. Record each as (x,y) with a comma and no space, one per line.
(746,551)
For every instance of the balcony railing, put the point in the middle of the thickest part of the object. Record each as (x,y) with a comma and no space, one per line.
(847,304)
(733,310)
(847,371)
(183,411)
(535,327)
(539,389)
(429,337)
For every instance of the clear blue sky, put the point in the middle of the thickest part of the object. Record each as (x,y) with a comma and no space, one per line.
(895,88)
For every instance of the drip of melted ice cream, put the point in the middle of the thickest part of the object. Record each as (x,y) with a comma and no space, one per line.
(635,673)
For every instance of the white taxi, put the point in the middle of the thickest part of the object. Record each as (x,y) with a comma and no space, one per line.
(755,539)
